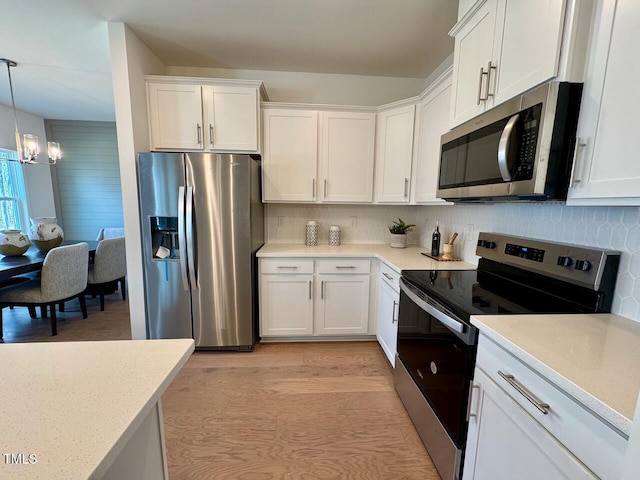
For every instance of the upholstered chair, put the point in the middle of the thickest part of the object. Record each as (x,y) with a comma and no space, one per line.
(64,277)
(109,266)
(110,232)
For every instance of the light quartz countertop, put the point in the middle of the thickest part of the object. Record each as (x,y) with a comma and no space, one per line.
(595,358)
(409,258)
(75,405)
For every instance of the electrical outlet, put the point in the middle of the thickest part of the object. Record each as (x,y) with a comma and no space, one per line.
(354,222)
(280,222)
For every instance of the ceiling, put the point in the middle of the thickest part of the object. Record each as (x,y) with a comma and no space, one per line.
(63,55)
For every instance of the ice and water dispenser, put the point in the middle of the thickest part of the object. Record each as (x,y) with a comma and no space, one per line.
(164,237)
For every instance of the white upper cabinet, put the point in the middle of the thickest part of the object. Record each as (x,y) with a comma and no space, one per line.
(432,121)
(506,47)
(528,50)
(230,118)
(302,143)
(348,140)
(290,155)
(606,169)
(394,150)
(203,114)
(175,116)
(473,53)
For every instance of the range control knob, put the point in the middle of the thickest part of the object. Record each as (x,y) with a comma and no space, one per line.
(486,244)
(583,265)
(565,261)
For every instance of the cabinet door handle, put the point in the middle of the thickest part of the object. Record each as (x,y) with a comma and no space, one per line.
(522,390)
(199,131)
(313,188)
(394,317)
(490,67)
(325,188)
(580,143)
(211,135)
(387,276)
(406,187)
(309,289)
(482,74)
(322,290)
(472,387)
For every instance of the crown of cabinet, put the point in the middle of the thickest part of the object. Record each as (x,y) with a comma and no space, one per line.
(201,114)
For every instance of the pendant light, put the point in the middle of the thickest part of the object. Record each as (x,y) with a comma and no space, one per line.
(28,148)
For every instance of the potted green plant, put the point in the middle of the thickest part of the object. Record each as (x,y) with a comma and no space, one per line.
(399,232)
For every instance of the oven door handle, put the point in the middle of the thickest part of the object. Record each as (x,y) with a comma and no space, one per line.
(449,322)
(503,148)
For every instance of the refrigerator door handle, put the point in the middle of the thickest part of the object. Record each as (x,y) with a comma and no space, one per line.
(181,241)
(190,245)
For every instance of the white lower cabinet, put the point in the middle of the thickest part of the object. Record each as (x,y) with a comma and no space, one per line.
(505,442)
(343,307)
(523,426)
(306,297)
(387,319)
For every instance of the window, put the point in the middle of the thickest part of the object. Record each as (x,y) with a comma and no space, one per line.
(12,192)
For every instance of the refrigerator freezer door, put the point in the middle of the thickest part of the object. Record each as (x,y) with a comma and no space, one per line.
(168,304)
(222,297)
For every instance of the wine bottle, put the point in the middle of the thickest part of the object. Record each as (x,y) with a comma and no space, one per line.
(435,242)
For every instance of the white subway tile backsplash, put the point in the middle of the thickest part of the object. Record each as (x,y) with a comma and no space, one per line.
(614,228)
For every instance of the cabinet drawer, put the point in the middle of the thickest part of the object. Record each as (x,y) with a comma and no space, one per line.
(590,439)
(286,265)
(390,276)
(347,265)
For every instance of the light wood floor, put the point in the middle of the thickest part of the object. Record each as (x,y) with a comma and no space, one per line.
(112,324)
(295,411)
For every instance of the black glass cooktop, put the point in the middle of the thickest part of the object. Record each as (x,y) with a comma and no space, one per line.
(496,289)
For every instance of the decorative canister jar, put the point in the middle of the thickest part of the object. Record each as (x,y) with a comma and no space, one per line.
(45,233)
(334,235)
(13,243)
(311,239)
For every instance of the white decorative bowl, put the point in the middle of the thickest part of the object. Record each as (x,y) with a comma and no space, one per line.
(13,243)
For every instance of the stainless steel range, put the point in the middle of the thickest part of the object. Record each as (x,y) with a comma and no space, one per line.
(437,343)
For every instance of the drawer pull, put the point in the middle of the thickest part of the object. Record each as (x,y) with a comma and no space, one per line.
(511,380)
(287,266)
(345,266)
(387,276)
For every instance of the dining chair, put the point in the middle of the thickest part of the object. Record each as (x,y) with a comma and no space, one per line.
(63,277)
(109,267)
(110,232)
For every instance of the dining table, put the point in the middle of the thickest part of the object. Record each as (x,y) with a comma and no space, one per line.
(32,259)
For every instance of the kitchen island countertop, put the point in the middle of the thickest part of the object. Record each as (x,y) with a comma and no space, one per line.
(399,259)
(592,357)
(74,406)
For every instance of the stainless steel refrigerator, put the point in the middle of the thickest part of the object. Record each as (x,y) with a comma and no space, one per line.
(202,222)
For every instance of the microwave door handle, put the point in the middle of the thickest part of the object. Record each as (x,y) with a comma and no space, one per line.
(503,148)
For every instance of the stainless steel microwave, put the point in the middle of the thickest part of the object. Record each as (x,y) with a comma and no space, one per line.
(520,150)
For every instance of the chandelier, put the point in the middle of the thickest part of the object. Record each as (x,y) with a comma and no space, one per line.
(28,148)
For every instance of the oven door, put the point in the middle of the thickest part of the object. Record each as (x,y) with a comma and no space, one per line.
(438,350)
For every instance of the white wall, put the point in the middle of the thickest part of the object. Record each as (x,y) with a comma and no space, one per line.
(37,178)
(323,88)
(130,61)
